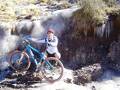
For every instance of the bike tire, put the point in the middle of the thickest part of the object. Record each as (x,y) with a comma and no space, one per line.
(43,68)
(15,65)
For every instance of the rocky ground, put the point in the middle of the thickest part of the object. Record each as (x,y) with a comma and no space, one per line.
(109,80)
(33,83)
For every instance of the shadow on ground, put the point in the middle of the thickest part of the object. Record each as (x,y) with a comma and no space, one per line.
(21,81)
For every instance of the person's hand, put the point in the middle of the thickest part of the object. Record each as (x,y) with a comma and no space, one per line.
(28,37)
(49,44)
(26,41)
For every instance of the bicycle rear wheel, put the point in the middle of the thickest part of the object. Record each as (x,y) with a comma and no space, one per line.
(52,69)
(19,61)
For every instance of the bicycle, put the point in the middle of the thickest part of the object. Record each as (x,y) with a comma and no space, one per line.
(51,67)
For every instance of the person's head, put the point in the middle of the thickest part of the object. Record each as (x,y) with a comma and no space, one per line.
(50,33)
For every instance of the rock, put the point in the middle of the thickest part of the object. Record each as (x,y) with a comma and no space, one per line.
(93,88)
(38,28)
(23,27)
(72,1)
(80,55)
(87,74)
(68,80)
(8,43)
(114,56)
(84,51)
(2,32)
(4,73)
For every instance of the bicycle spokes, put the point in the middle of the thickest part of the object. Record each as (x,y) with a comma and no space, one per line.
(19,61)
(52,69)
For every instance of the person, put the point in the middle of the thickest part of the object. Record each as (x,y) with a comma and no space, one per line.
(51,44)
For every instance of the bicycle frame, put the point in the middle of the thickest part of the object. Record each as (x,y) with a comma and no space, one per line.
(29,50)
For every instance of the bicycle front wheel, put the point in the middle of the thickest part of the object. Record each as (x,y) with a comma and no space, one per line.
(19,61)
(52,69)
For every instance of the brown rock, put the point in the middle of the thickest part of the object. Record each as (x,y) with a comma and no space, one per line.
(87,74)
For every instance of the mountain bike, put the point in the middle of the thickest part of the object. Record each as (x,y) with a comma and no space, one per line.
(51,67)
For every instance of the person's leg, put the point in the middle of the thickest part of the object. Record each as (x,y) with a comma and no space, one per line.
(45,54)
(58,55)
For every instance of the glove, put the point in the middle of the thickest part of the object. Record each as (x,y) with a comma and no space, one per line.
(49,44)
(28,37)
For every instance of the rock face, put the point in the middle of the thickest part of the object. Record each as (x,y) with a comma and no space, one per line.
(25,27)
(114,56)
(87,74)
(82,51)
(2,32)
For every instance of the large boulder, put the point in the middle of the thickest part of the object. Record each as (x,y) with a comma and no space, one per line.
(22,27)
(8,41)
(87,74)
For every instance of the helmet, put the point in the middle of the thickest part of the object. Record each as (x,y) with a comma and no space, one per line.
(50,31)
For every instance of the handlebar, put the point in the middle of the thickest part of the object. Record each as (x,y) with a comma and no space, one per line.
(25,39)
